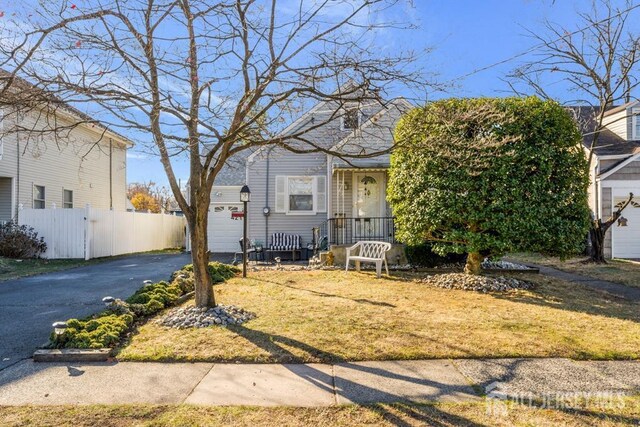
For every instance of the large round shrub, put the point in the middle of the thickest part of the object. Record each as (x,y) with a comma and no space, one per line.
(488,176)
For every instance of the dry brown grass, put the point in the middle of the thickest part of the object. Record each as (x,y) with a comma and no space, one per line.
(326,316)
(619,271)
(460,414)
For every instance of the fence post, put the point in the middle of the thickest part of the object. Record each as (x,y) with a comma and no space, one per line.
(87,231)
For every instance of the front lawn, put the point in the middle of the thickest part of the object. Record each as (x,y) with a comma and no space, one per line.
(625,412)
(329,316)
(616,270)
(15,268)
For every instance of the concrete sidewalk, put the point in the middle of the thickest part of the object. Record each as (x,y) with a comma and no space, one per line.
(310,384)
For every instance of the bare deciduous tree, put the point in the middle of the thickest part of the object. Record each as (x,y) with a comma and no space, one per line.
(599,62)
(204,79)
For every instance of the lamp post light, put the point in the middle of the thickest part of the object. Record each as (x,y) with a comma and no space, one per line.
(245,197)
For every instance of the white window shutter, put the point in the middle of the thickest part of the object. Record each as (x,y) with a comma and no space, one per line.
(321,193)
(281,193)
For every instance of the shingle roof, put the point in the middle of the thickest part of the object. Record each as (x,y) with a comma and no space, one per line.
(609,143)
(233,172)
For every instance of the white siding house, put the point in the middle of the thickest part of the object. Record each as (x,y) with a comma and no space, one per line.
(38,170)
(615,172)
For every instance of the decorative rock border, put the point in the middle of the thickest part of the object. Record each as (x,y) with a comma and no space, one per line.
(196,317)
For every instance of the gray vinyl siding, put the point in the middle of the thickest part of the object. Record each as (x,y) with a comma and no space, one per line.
(375,137)
(5,199)
(286,164)
(77,162)
(606,213)
(605,165)
(630,172)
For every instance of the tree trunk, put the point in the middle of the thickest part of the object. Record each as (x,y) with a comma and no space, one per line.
(200,259)
(474,263)
(596,235)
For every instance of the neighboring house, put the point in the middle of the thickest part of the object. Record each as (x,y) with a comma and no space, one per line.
(615,172)
(293,193)
(87,165)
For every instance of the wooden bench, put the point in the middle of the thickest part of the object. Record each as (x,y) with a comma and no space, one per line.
(369,251)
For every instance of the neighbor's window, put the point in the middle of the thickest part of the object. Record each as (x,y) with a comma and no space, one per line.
(38,197)
(635,120)
(300,193)
(350,119)
(67,199)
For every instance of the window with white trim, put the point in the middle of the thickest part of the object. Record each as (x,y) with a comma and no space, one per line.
(38,197)
(350,119)
(301,195)
(67,199)
(635,123)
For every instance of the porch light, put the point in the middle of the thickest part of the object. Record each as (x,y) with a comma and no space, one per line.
(245,194)
(108,301)
(59,327)
(622,222)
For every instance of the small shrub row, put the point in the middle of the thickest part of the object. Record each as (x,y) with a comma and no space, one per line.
(105,329)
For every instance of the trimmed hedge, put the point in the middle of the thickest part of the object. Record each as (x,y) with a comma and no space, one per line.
(105,329)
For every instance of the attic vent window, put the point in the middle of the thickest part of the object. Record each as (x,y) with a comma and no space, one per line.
(350,119)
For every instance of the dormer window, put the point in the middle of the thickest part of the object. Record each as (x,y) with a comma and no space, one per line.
(350,119)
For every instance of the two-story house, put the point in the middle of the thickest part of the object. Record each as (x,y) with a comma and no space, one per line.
(83,164)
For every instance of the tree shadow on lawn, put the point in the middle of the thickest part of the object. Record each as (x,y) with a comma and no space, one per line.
(287,284)
(572,297)
(360,393)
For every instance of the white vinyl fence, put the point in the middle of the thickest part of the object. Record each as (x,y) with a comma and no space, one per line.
(93,233)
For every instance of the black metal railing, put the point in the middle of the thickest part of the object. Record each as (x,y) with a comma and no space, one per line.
(347,231)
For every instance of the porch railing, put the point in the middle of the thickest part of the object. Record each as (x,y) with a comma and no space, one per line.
(347,231)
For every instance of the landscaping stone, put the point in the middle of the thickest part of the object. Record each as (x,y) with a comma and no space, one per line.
(468,282)
(200,317)
(503,265)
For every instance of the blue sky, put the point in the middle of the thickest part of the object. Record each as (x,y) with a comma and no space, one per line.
(466,35)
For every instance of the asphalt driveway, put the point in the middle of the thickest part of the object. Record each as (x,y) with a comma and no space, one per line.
(28,306)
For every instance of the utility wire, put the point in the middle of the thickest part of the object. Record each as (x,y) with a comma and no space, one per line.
(538,46)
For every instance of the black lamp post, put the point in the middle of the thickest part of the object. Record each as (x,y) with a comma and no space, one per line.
(245,197)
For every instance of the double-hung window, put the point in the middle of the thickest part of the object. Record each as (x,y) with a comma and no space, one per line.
(38,197)
(301,195)
(67,199)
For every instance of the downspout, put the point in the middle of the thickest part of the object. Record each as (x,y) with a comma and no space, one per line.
(266,192)
(110,173)
(17,212)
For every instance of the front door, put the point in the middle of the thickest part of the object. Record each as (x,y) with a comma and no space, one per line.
(368,204)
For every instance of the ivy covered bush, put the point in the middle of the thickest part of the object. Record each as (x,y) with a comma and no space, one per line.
(106,328)
(99,332)
(218,271)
